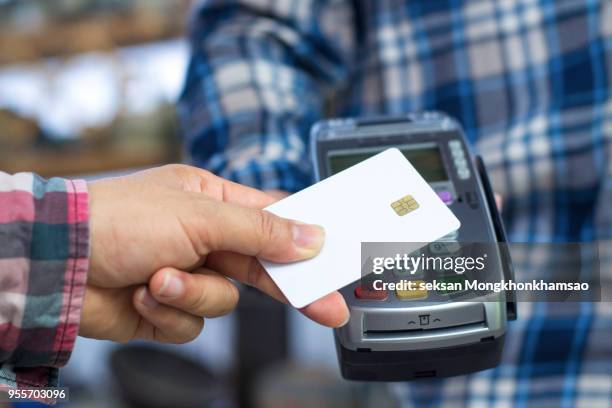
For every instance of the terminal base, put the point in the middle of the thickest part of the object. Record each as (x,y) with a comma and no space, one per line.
(365,365)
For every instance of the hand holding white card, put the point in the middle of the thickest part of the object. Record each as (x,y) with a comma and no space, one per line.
(382,199)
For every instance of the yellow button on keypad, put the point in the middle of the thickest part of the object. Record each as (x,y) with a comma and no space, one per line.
(404,205)
(416,293)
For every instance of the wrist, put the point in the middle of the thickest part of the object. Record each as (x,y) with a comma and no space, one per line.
(97,258)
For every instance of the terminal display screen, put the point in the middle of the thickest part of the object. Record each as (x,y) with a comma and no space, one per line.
(426,159)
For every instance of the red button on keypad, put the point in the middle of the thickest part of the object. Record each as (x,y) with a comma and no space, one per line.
(368,293)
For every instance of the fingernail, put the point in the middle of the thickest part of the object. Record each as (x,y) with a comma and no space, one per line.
(348,317)
(308,237)
(172,286)
(146,299)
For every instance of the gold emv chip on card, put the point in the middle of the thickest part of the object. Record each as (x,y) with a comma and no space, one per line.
(404,205)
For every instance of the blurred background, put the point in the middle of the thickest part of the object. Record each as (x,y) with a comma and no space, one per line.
(87,89)
(88,85)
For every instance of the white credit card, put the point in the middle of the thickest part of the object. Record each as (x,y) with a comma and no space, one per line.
(381,199)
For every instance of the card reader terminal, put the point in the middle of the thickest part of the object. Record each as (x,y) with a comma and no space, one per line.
(400,335)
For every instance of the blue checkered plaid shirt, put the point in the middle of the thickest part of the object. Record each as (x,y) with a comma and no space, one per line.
(531,82)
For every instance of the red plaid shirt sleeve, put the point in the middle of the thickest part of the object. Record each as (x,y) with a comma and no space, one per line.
(44,245)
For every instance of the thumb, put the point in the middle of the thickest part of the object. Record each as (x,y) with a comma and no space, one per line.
(260,233)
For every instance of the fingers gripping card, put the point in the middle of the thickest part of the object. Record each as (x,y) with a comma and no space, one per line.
(382,199)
